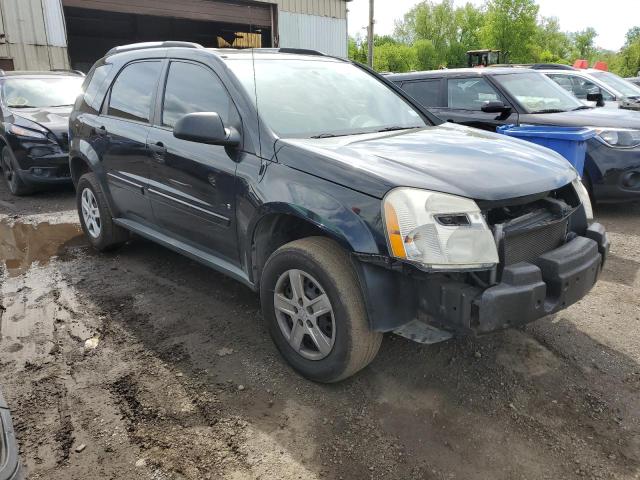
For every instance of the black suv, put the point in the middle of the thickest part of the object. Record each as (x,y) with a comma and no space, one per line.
(324,187)
(34,109)
(487,98)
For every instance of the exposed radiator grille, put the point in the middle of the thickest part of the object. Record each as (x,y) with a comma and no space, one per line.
(526,245)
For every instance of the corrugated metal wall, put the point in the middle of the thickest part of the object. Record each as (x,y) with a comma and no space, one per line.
(325,8)
(329,35)
(34,34)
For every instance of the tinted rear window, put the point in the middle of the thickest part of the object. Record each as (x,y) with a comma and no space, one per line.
(427,92)
(133,90)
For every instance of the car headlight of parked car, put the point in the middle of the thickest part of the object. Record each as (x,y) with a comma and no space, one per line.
(583,194)
(619,137)
(437,230)
(26,132)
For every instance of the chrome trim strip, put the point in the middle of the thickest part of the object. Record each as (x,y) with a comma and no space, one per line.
(117,177)
(187,204)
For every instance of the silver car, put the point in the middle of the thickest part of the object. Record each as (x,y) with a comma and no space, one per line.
(616,91)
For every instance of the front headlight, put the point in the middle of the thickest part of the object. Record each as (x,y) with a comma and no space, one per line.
(437,230)
(619,137)
(25,132)
(583,194)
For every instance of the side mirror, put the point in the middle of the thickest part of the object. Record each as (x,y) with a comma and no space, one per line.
(596,97)
(205,127)
(495,107)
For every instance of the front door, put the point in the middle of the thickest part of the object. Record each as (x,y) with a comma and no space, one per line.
(123,131)
(465,97)
(192,189)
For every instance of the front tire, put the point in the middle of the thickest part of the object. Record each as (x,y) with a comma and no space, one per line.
(16,185)
(315,311)
(95,216)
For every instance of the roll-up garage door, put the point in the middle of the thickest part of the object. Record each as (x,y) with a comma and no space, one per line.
(257,14)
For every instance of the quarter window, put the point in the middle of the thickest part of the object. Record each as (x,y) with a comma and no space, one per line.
(133,90)
(427,92)
(93,94)
(470,93)
(192,88)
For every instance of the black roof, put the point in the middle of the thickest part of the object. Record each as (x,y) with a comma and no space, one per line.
(457,72)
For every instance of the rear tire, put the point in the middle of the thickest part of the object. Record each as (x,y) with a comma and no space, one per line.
(95,215)
(326,278)
(16,185)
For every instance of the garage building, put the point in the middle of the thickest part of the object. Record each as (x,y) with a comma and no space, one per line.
(61,34)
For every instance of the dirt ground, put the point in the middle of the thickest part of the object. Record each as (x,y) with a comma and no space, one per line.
(143,364)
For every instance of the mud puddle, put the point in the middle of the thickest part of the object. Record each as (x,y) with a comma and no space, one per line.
(23,244)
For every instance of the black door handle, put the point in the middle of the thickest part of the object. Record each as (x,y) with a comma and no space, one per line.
(158,151)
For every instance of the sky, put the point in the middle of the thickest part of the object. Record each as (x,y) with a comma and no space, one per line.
(611,19)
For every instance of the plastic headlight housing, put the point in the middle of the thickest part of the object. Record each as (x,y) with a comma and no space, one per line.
(25,132)
(437,231)
(583,194)
(619,137)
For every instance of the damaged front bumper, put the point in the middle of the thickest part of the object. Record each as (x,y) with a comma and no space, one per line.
(526,292)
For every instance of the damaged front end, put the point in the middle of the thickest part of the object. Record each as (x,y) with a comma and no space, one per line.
(549,258)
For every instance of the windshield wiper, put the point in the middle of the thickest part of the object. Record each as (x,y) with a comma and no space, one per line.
(63,105)
(550,110)
(582,107)
(326,135)
(392,129)
(21,106)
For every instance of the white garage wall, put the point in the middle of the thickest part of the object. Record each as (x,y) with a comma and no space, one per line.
(326,34)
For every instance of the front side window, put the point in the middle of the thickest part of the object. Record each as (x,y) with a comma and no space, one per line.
(322,97)
(470,93)
(133,90)
(583,87)
(41,92)
(427,92)
(537,93)
(192,88)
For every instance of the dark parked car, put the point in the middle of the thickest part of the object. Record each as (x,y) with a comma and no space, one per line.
(35,108)
(9,460)
(324,187)
(488,98)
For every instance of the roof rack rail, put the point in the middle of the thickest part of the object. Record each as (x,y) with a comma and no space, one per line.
(144,45)
(76,72)
(301,51)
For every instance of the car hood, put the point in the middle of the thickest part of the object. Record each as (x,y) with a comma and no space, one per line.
(54,119)
(446,158)
(595,117)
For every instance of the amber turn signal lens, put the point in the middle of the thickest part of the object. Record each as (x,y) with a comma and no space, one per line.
(393,232)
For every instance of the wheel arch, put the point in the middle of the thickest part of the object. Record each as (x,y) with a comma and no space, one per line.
(281,223)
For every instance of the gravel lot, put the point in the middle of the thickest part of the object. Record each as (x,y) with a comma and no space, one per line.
(144,364)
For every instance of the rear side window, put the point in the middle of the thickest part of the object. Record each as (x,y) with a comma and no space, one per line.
(470,93)
(427,92)
(94,93)
(192,88)
(133,90)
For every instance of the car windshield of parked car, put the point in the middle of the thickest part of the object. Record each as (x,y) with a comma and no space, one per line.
(323,98)
(537,93)
(40,92)
(625,87)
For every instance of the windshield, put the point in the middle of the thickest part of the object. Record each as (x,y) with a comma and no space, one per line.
(40,92)
(537,93)
(625,87)
(322,98)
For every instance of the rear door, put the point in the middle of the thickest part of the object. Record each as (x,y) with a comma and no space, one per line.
(463,104)
(192,189)
(427,91)
(123,131)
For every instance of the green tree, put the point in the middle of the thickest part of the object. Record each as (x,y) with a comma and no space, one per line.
(511,26)
(426,55)
(357,49)
(551,44)
(394,57)
(584,43)
(632,35)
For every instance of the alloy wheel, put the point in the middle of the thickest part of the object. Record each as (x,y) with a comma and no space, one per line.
(304,314)
(91,213)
